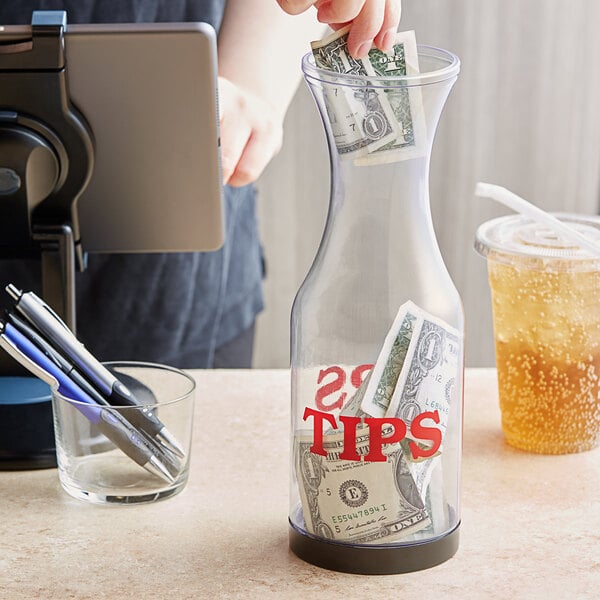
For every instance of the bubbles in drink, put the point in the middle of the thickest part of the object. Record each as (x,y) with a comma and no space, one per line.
(547,332)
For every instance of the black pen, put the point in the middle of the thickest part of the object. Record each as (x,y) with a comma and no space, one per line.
(41,316)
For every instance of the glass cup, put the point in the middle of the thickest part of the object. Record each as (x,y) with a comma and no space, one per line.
(546,312)
(127,454)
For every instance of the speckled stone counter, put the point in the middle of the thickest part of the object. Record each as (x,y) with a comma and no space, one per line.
(530,524)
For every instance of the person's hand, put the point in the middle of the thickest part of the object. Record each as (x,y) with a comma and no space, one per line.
(371,21)
(251,133)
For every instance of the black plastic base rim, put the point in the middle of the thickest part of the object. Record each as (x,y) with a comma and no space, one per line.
(376,560)
(28,462)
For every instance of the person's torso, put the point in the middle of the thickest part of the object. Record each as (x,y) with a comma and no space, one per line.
(116,11)
(192,300)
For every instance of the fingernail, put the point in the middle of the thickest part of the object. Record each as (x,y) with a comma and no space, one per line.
(363,49)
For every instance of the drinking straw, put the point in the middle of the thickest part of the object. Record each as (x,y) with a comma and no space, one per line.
(520,205)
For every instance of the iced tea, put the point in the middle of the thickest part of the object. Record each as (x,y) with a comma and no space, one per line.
(547,337)
(546,309)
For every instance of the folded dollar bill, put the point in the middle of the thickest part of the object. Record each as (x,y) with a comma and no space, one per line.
(384,377)
(361,118)
(358,502)
(416,368)
(373,124)
(405,101)
(427,381)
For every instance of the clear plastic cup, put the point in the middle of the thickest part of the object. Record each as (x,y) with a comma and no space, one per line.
(546,314)
(114,454)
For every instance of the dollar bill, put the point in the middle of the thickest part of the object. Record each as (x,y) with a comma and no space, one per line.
(420,470)
(406,102)
(402,60)
(361,118)
(427,381)
(384,376)
(356,501)
(373,125)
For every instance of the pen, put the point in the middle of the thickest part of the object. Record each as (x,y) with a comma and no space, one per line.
(58,359)
(109,422)
(161,452)
(37,312)
(134,416)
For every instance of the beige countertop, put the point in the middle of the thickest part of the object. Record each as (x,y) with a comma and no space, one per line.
(530,524)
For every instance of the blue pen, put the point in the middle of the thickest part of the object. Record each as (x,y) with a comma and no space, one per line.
(109,422)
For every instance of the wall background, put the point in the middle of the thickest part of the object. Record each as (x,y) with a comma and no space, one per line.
(525,114)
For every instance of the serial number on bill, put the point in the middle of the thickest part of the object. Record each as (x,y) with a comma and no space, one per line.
(358,514)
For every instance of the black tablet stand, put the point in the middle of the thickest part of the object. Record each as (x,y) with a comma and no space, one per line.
(46,161)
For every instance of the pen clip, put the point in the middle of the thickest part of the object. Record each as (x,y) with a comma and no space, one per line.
(36,338)
(51,311)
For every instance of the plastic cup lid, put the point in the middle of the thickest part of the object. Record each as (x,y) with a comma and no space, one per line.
(519,235)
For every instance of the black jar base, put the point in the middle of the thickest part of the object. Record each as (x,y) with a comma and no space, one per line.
(376,560)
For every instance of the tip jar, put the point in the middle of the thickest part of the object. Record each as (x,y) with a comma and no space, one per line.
(377,328)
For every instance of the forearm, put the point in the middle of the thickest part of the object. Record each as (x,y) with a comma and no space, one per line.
(260,48)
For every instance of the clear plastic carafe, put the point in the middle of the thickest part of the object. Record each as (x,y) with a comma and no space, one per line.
(377,334)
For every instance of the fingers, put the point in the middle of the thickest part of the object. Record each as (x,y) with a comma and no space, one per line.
(371,21)
(365,27)
(386,37)
(295,7)
(260,147)
(233,142)
(250,134)
(334,11)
